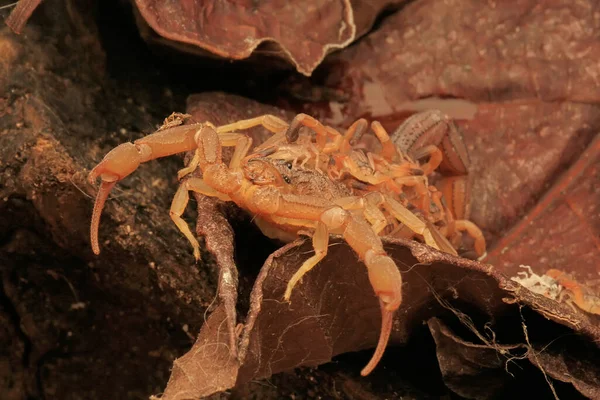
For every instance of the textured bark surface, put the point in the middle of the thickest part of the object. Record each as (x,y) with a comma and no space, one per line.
(74,320)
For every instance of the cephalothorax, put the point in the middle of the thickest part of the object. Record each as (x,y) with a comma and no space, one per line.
(295,183)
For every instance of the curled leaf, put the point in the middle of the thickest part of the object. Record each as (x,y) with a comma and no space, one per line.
(303,33)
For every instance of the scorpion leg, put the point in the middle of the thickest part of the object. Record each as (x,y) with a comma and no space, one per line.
(429,233)
(441,240)
(180,201)
(322,131)
(353,134)
(227,139)
(375,217)
(370,211)
(419,184)
(435,158)
(207,150)
(374,179)
(472,230)
(268,121)
(320,242)
(456,190)
(388,148)
(586,301)
(242,147)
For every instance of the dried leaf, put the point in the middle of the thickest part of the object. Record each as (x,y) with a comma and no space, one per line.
(521,79)
(519,51)
(473,371)
(334,310)
(570,366)
(478,371)
(303,33)
(209,366)
(563,229)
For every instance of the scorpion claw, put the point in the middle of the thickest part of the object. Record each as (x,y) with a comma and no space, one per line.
(117,164)
(101,197)
(387,317)
(387,283)
(120,162)
(385,279)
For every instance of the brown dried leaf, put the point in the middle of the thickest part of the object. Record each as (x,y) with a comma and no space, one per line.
(303,33)
(563,229)
(334,310)
(476,371)
(473,371)
(208,367)
(570,366)
(521,79)
(321,320)
(516,51)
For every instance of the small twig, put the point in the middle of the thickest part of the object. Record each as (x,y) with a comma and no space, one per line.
(20,15)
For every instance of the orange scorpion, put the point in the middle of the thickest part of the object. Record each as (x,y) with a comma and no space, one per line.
(336,188)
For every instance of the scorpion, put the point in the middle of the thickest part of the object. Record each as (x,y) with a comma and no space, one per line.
(318,185)
(574,292)
(561,287)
